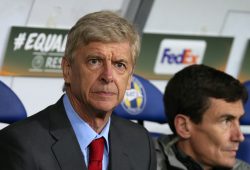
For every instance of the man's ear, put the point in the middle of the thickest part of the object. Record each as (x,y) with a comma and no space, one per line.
(129,81)
(66,68)
(182,125)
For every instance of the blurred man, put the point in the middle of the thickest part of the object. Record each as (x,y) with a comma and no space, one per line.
(203,106)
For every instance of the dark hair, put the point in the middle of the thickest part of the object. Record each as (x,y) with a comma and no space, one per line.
(189,90)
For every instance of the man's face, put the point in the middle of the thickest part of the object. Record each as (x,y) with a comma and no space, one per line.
(99,75)
(215,141)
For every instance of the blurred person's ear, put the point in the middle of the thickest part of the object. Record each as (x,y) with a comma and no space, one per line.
(129,81)
(66,70)
(182,126)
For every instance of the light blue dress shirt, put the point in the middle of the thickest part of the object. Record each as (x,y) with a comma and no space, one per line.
(85,134)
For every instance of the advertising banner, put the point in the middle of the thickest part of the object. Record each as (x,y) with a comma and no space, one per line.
(163,55)
(244,74)
(34,52)
(39,51)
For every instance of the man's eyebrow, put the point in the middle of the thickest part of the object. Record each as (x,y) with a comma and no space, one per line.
(94,56)
(230,116)
(227,115)
(121,60)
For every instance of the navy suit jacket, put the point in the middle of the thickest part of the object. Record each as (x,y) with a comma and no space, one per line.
(46,141)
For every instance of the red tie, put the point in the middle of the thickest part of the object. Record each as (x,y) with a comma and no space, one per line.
(96,149)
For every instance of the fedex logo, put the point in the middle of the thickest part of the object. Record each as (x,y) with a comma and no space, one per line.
(186,57)
(174,55)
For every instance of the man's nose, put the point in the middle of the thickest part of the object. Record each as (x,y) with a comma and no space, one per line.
(237,133)
(107,73)
(241,136)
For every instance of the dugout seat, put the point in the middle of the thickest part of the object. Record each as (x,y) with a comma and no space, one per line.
(11,107)
(143,102)
(244,148)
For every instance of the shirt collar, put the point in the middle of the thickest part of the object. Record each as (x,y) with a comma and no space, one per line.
(84,133)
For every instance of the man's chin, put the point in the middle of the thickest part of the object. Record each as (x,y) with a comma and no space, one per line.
(104,110)
(229,163)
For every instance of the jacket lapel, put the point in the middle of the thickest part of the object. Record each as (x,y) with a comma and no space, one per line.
(66,148)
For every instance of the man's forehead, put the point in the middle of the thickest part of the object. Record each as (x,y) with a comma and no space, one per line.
(219,108)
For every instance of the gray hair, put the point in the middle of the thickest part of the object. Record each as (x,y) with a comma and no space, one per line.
(103,26)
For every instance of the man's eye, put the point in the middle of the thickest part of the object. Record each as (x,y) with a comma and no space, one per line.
(94,61)
(227,121)
(120,65)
